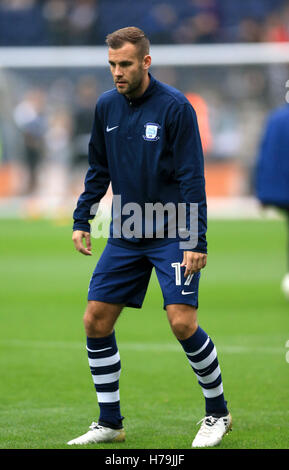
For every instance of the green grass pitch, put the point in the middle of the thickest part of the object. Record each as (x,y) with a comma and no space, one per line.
(47,394)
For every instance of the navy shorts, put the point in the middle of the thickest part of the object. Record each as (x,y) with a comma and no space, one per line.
(122,275)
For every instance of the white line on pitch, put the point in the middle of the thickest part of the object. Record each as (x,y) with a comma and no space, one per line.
(127,346)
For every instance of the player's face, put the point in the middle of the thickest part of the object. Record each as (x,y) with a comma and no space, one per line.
(128,69)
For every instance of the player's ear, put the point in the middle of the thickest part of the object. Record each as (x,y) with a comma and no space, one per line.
(147,60)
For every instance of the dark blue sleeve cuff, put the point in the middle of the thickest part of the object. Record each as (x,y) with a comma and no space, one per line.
(81,226)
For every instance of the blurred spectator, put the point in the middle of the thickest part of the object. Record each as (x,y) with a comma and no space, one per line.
(163,19)
(1,143)
(29,117)
(55,13)
(201,28)
(87,22)
(250,30)
(86,96)
(22,23)
(200,106)
(276,29)
(245,21)
(83,22)
(57,152)
(73,22)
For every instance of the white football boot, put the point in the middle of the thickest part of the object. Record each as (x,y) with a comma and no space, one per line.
(212,430)
(99,433)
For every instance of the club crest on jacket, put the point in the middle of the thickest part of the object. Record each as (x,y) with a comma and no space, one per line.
(151,131)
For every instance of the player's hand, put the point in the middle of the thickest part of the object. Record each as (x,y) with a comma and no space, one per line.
(77,238)
(193,262)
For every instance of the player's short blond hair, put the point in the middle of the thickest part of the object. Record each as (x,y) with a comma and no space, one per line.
(130,34)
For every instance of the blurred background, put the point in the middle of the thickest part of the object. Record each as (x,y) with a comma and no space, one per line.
(231,59)
(49,83)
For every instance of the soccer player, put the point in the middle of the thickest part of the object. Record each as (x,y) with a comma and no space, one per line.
(145,141)
(272,170)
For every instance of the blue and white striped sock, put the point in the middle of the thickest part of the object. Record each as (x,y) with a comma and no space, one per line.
(105,367)
(202,356)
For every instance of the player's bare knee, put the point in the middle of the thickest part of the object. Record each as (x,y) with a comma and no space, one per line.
(96,327)
(183,329)
(99,318)
(183,321)
(93,320)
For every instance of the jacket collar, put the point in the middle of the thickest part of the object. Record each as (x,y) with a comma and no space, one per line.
(146,95)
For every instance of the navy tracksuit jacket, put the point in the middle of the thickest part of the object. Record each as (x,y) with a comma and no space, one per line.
(272,170)
(149,149)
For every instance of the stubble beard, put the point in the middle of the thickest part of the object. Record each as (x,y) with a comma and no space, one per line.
(132,88)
